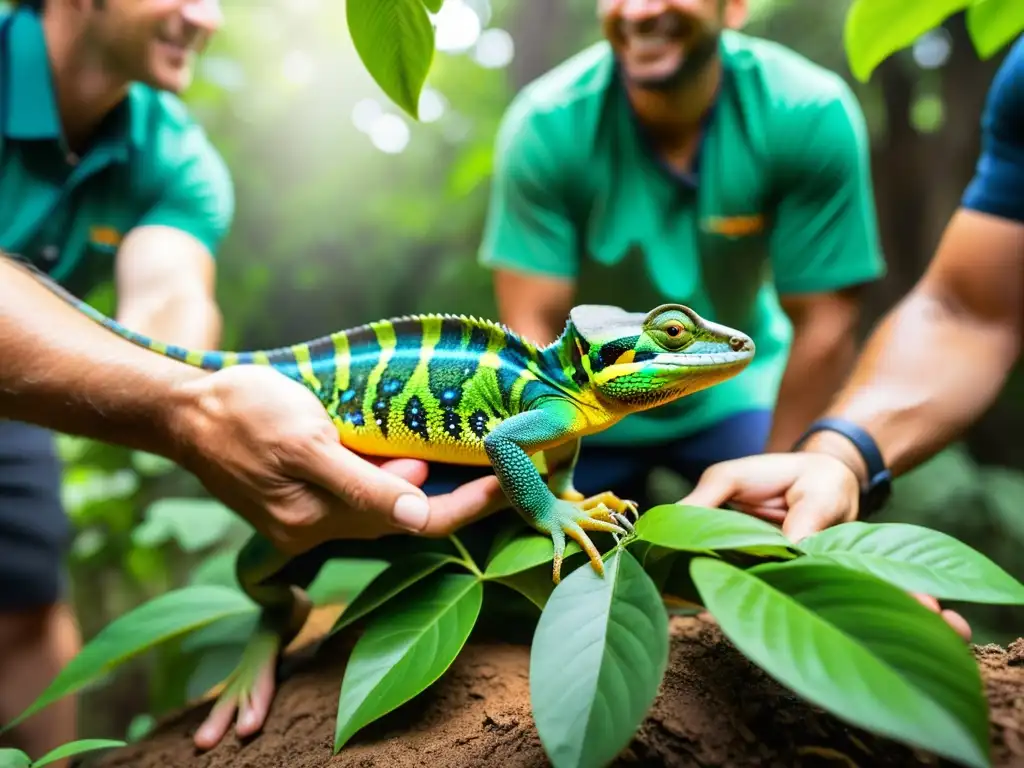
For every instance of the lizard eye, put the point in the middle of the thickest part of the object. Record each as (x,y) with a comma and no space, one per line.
(673,335)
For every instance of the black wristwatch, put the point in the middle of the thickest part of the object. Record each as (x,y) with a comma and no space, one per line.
(879,485)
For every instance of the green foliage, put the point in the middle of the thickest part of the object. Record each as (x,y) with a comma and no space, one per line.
(707,530)
(598,657)
(876,29)
(916,559)
(395,40)
(405,648)
(856,646)
(15,758)
(165,617)
(194,524)
(829,618)
(398,577)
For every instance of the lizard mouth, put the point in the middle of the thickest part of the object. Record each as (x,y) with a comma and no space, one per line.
(711,360)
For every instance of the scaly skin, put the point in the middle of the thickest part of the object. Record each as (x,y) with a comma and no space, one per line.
(460,390)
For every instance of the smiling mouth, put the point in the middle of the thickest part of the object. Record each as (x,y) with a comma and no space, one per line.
(657,32)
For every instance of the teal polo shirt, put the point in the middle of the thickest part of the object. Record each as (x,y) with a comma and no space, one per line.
(150,164)
(780,203)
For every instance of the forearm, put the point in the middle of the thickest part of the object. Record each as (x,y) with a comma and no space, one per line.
(189,319)
(926,373)
(63,371)
(818,364)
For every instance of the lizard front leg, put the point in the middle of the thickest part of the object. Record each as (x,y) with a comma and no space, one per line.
(561,465)
(508,448)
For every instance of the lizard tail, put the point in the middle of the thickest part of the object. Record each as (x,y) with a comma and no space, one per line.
(210,360)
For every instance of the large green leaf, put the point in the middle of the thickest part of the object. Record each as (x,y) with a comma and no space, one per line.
(76,748)
(405,648)
(395,40)
(859,647)
(14,758)
(433,5)
(994,23)
(597,659)
(159,620)
(918,559)
(701,529)
(876,29)
(399,576)
(523,552)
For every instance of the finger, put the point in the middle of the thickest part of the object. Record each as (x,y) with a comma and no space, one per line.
(771,514)
(363,486)
(469,502)
(253,713)
(411,470)
(954,619)
(958,623)
(216,724)
(927,601)
(712,490)
(810,514)
(755,479)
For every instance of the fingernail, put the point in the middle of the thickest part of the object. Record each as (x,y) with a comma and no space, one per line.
(411,512)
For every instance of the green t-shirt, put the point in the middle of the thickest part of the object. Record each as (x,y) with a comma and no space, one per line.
(780,203)
(151,164)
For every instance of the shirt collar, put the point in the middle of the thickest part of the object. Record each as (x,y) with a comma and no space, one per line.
(30,105)
(28,94)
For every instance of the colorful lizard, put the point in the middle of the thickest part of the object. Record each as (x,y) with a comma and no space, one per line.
(456,389)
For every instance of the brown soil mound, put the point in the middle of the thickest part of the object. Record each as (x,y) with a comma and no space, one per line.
(714,709)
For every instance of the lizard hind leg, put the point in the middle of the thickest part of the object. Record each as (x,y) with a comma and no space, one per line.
(249,689)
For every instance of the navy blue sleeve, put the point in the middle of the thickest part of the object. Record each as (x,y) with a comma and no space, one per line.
(998,184)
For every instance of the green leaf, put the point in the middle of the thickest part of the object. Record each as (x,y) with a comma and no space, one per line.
(701,529)
(598,657)
(434,6)
(340,580)
(857,646)
(523,552)
(194,523)
(876,29)
(405,648)
(399,576)
(167,616)
(917,559)
(395,40)
(14,758)
(76,748)
(994,23)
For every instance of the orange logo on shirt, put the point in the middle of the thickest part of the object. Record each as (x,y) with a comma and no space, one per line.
(101,235)
(735,226)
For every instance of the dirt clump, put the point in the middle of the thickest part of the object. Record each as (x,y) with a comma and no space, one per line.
(715,708)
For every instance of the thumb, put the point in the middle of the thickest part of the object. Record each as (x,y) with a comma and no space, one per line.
(365,487)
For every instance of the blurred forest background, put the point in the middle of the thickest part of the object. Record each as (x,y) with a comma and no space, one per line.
(347,211)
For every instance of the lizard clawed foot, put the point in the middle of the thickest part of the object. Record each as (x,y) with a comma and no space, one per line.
(249,691)
(573,520)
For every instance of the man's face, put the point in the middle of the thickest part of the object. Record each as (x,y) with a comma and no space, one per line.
(665,43)
(152,41)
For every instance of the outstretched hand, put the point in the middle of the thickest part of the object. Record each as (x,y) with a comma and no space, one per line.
(263,445)
(804,492)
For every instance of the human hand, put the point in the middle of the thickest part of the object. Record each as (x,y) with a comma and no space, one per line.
(263,445)
(805,492)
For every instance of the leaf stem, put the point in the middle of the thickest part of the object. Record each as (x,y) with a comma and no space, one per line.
(467,560)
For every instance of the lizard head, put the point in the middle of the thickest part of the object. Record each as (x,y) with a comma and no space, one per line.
(636,361)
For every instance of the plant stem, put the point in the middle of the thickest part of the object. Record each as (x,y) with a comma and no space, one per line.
(467,560)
